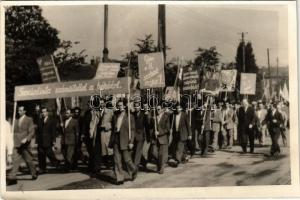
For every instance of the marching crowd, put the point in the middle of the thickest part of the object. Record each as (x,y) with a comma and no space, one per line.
(164,135)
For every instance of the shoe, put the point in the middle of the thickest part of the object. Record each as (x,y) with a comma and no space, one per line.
(119,182)
(43,171)
(134,175)
(57,165)
(160,171)
(11,182)
(34,177)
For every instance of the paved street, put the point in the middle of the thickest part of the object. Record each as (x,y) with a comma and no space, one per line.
(224,168)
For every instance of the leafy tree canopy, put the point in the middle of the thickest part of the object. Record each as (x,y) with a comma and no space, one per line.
(28,36)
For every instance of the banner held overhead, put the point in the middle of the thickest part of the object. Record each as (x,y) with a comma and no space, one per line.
(248,83)
(151,70)
(71,88)
(107,70)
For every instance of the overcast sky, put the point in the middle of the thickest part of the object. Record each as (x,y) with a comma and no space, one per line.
(188,27)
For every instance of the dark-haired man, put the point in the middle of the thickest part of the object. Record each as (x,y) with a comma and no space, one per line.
(121,141)
(161,138)
(181,132)
(246,122)
(275,122)
(141,132)
(69,139)
(23,133)
(45,137)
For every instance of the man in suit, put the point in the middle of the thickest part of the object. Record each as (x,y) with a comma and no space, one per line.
(23,133)
(104,128)
(161,138)
(122,140)
(147,142)
(69,139)
(228,124)
(261,114)
(275,121)
(79,154)
(45,137)
(92,132)
(141,133)
(246,121)
(216,126)
(181,133)
(206,126)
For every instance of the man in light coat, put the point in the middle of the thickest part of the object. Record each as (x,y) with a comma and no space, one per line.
(23,133)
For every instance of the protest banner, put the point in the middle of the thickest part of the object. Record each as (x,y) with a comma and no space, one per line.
(107,70)
(228,80)
(248,83)
(71,88)
(190,79)
(211,82)
(171,94)
(47,69)
(49,74)
(151,70)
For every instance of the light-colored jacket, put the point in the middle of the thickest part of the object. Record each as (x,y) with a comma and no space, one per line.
(228,118)
(106,122)
(23,130)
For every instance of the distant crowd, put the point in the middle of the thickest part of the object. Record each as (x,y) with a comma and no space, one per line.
(163,136)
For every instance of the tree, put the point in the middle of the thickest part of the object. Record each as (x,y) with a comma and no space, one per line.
(66,60)
(146,45)
(250,63)
(28,36)
(207,59)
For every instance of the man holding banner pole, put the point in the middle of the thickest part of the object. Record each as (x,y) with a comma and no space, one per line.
(121,141)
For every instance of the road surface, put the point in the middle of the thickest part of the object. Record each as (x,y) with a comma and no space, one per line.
(224,168)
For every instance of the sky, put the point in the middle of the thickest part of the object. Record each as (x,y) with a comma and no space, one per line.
(187,28)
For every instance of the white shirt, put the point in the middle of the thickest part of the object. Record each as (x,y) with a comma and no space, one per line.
(159,117)
(119,121)
(21,120)
(67,122)
(177,120)
(94,122)
(45,119)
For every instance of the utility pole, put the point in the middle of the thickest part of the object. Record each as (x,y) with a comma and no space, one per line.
(161,41)
(277,76)
(269,70)
(105,49)
(243,43)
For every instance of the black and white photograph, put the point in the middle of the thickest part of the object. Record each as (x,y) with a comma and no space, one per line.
(149,95)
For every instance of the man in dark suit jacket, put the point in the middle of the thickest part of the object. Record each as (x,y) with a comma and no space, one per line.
(122,141)
(23,133)
(69,139)
(181,132)
(88,137)
(274,121)
(161,138)
(45,137)
(141,132)
(246,121)
(206,128)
